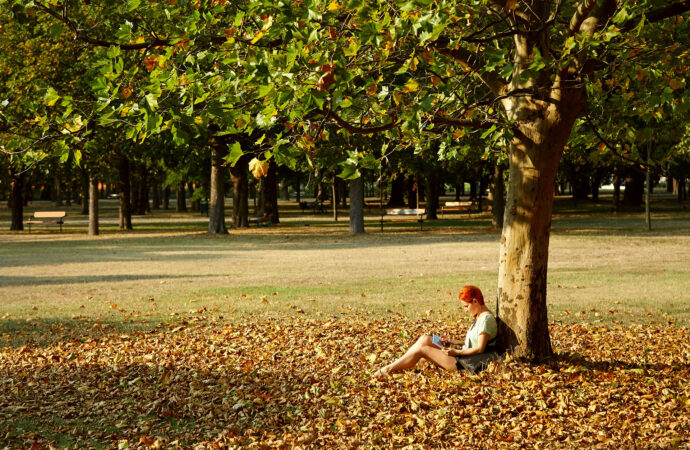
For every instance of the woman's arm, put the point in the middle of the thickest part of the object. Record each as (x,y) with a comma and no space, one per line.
(481,346)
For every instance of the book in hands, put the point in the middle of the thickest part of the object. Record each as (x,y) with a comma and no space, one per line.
(438,341)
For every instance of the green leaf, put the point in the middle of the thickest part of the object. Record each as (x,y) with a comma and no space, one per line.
(51,97)
(235,154)
(132,4)
(489,131)
(151,101)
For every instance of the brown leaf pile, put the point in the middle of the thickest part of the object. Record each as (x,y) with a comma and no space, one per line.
(303,382)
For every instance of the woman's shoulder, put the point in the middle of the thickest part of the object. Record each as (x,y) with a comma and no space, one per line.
(488,321)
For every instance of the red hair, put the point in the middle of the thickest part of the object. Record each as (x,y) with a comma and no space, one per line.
(470,293)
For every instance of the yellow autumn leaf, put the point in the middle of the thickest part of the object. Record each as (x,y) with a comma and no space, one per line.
(334,6)
(258,168)
(411,86)
(258,36)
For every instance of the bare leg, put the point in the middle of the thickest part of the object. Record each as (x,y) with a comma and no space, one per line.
(422,349)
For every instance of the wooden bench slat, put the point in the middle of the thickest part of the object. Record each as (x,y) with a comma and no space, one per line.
(404,215)
(56,215)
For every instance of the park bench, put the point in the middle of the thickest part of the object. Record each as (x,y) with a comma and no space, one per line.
(404,215)
(41,217)
(264,221)
(315,206)
(456,207)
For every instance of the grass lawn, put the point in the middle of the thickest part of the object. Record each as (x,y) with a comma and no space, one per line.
(266,335)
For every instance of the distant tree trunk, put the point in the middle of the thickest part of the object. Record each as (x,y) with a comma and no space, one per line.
(616,190)
(634,187)
(433,191)
(58,189)
(140,202)
(412,192)
(270,193)
(17,203)
(216,209)
(298,187)
(181,197)
(124,186)
(85,187)
(595,184)
(357,206)
(334,194)
(93,206)
(166,197)
(397,198)
(648,192)
(342,189)
(498,190)
(240,190)
(156,197)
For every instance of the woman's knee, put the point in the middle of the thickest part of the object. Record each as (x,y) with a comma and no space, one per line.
(424,340)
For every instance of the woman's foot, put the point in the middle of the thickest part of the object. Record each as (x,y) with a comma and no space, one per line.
(381,373)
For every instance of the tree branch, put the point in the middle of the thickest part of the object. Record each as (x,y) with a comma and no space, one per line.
(362,130)
(583,10)
(659,14)
(472,61)
(467,123)
(644,165)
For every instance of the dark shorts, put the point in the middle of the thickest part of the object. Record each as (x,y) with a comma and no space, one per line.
(458,365)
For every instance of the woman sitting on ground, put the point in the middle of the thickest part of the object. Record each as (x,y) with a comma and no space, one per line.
(480,338)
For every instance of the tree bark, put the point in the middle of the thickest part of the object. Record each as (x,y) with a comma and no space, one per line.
(240,189)
(124,186)
(357,206)
(166,197)
(216,207)
(93,206)
(498,190)
(16,200)
(535,153)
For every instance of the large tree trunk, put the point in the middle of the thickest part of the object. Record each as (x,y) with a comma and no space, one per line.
(240,189)
(93,206)
(17,203)
(216,210)
(535,152)
(498,190)
(166,197)
(125,194)
(357,206)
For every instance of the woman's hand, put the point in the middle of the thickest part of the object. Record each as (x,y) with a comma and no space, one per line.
(451,352)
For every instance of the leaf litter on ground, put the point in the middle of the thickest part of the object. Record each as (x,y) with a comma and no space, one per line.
(303,382)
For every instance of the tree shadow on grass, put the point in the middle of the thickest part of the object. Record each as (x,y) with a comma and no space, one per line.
(55,280)
(566,359)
